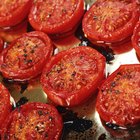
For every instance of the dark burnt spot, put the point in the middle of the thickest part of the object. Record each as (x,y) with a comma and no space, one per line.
(72,122)
(21,101)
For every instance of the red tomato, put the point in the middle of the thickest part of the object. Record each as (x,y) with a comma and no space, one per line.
(136,39)
(118,101)
(72,76)
(26,56)
(13,12)
(9,34)
(55,17)
(110,21)
(33,121)
(5,106)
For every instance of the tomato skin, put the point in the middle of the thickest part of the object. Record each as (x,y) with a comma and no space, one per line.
(110,25)
(135,38)
(5,106)
(117,47)
(16,15)
(25,57)
(56,28)
(1,45)
(33,121)
(73,75)
(118,98)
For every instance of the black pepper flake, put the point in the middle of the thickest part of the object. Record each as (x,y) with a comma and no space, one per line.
(117,91)
(73,74)
(24,50)
(64,10)
(32,51)
(81,57)
(95,17)
(25,55)
(40,112)
(113,84)
(49,15)
(29,61)
(46,134)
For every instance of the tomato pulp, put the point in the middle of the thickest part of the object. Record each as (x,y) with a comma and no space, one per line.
(119,96)
(72,76)
(26,56)
(111,22)
(56,17)
(33,121)
(13,12)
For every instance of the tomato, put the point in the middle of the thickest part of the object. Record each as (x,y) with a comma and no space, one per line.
(110,21)
(26,56)
(13,12)
(119,96)
(55,17)
(72,76)
(33,121)
(5,106)
(136,39)
(9,34)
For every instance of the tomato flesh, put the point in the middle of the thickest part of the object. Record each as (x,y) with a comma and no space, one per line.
(110,21)
(13,12)
(33,121)
(68,81)
(119,96)
(55,17)
(71,68)
(25,57)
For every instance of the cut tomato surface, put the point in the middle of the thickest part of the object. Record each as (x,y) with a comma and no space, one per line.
(56,16)
(26,56)
(111,21)
(72,76)
(5,106)
(13,12)
(119,96)
(33,121)
(136,39)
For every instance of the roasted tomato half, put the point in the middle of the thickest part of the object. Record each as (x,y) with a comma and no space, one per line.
(136,39)
(55,17)
(5,106)
(13,12)
(72,76)
(118,101)
(110,21)
(33,121)
(26,56)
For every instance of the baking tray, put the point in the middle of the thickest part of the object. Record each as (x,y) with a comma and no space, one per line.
(33,92)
